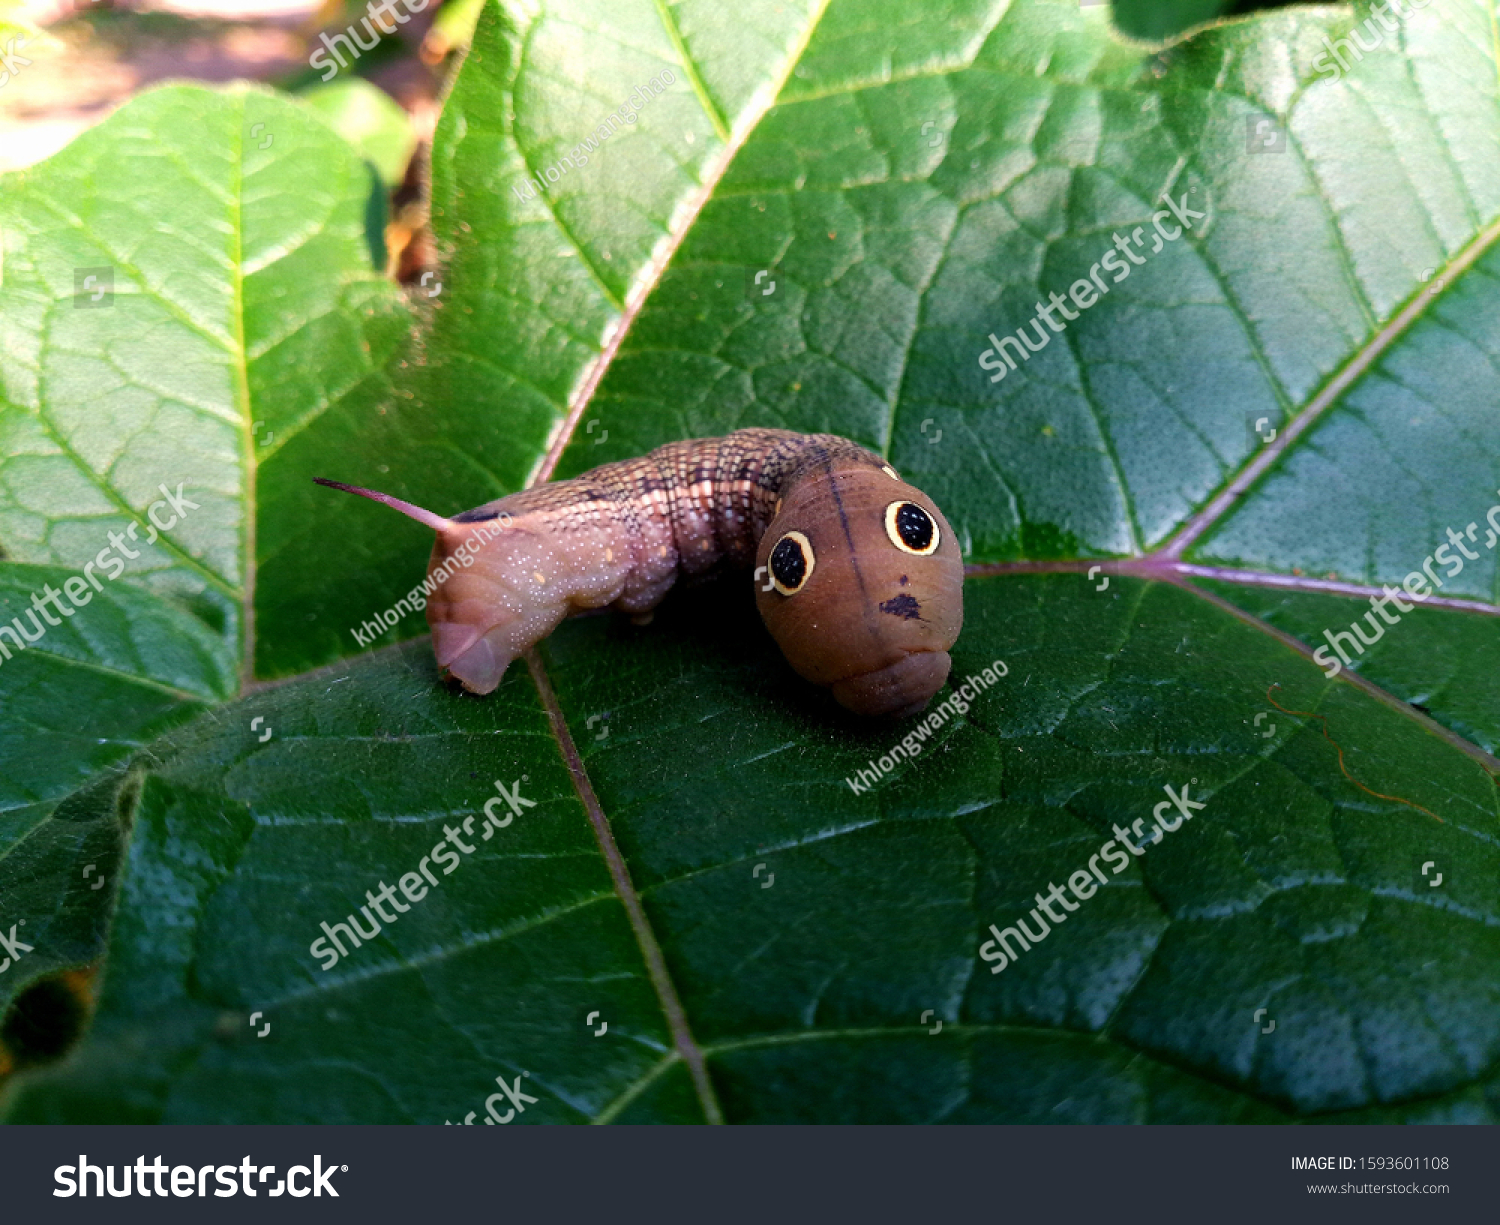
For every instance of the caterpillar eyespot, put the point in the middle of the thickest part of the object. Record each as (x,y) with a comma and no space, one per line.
(911,529)
(792,562)
(871,623)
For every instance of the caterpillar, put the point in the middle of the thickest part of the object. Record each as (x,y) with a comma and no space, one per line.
(863,587)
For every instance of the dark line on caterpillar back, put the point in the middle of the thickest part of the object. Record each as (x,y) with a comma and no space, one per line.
(838,502)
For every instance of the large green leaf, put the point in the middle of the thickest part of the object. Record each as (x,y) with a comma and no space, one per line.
(187,309)
(764,939)
(136,665)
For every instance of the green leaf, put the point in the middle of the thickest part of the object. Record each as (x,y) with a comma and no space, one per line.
(223,333)
(1160,19)
(370,120)
(700,864)
(1442,661)
(455,22)
(138,666)
(226,325)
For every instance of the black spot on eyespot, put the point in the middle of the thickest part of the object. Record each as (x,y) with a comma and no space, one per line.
(903,606)
(788,564)
(477,515)
(914,526)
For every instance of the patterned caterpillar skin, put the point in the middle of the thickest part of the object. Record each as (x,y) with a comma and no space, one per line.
(864,578)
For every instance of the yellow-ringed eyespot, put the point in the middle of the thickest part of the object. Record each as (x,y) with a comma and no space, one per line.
(792,563)
(911,529)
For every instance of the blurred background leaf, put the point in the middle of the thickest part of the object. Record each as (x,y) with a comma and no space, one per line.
(1156,20)
(369,120)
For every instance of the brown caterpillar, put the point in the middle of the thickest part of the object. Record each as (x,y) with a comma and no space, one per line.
(865,590)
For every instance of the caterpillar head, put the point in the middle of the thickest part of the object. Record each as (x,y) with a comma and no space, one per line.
(862,587)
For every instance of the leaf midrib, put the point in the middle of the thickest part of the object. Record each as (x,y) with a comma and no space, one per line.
(655,960)
(240,363)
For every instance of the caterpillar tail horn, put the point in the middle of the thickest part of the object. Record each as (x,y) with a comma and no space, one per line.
(476,629)
(427,517)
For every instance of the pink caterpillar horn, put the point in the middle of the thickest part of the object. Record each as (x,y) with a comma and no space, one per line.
(436,522)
